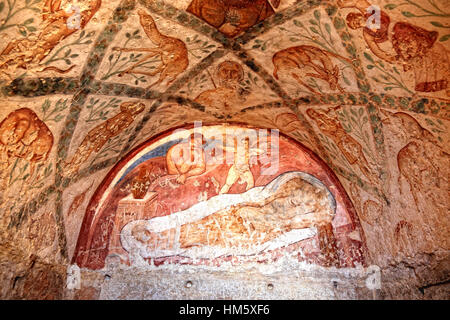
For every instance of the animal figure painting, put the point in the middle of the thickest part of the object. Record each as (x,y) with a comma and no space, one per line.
(308,61)
(24,136)
(172,52)
(98,136)
(56,26)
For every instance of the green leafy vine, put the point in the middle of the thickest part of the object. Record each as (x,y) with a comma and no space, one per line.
(354,123)
(427,8)
(390,80)
(83,39)
(118,63)
(12,10)
(53,114)
(101,111)
(195,44)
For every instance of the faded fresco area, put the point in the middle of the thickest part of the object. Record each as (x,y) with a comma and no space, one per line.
(244,198)
(84,84)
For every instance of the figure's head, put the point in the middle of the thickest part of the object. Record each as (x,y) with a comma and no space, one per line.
(229,73)
(294,211)
(411,41)
(355,20)
(149,26)
(141,233)
(133,108)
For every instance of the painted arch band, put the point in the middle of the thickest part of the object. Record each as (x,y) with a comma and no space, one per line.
(152,209)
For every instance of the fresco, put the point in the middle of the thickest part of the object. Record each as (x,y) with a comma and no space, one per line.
(28,147)
(163,206)
(101,134)
(227,87)
(55,28)
(77,198)
(48,37)
(419,157)
(234,16)
(24,136)
(106,124)
(408,57)
(172,52)
(153,53)
(305,56)
(372,104)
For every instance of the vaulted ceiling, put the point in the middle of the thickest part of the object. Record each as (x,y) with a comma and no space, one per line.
(299,68)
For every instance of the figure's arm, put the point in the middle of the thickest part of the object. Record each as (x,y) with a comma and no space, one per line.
(191,170)
(171,167)
(175,160)
(176,163)
(376,49)
(198,170)
(183,167)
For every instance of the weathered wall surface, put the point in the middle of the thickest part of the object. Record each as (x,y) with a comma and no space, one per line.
(374,105)
(422,278)
(25,276)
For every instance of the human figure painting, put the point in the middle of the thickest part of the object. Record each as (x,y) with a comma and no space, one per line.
(217,194)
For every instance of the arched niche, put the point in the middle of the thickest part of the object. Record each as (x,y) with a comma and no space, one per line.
(251,195)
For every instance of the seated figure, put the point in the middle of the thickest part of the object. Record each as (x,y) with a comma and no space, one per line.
(187,159)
